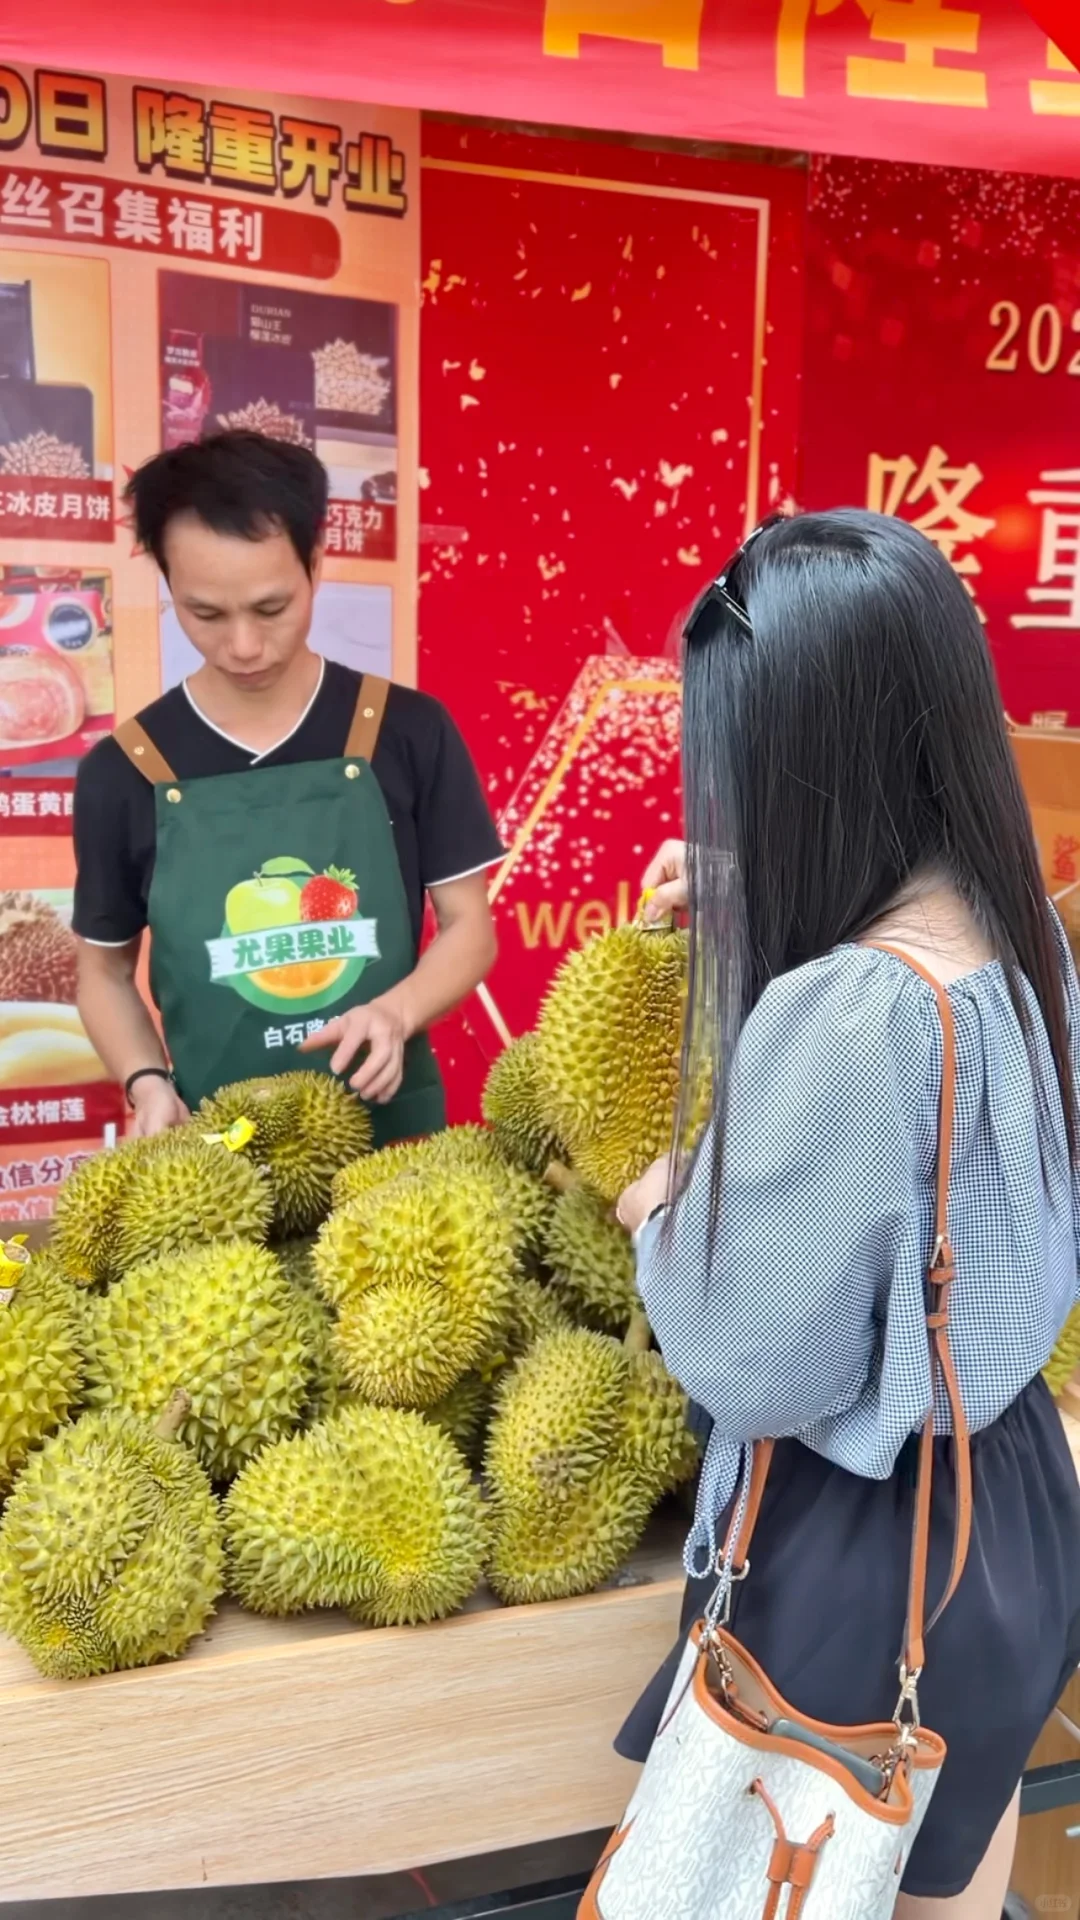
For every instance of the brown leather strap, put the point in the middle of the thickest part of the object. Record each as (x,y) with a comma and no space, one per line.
(940,1277)
(368,718)
(132,738)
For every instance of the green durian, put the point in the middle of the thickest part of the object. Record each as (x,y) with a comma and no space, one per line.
(586,1438)
(461,1413)
(421,1271)
(41,1359)
(86,1220)
(362,1176)
(468,1149)
(512,1108)
(608,1048)
(110,1548)
(591,1258)
(326,1385)
(307,1127)
(557,1550)
(224,1321)
(556,1416)
(374,1510)
(1065,1358)
(536,1312)
(190,1193)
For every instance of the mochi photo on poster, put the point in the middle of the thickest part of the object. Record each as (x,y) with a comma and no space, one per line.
(318,370)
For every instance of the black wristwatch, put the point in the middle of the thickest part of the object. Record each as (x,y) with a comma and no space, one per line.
(146,1073)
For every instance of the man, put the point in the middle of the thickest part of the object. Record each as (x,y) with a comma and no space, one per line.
(275,822)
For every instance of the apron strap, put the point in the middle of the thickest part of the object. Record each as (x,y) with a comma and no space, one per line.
(367,719)
(132,738)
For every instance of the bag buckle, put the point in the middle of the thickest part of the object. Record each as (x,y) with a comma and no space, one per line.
(906,1717)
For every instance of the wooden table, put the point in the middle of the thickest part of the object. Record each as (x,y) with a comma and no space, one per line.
(294,1750)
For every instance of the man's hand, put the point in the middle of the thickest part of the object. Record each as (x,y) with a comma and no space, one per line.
(158,1107)
(666,877)
(380,1028)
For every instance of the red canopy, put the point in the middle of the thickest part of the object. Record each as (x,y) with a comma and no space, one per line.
(962,82)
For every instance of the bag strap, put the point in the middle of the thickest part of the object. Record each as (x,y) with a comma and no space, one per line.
(367,719)
(940,1276)
(132,738)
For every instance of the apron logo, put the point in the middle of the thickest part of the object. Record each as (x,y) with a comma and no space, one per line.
(293,938)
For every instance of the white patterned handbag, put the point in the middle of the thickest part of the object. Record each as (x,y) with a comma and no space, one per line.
(748,1810)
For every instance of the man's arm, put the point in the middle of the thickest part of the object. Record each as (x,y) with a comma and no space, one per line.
(123,1034)
(461,955)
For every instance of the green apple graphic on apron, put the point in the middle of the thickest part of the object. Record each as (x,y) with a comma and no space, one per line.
(276,904)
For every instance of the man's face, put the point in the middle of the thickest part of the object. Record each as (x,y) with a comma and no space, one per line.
(245,605)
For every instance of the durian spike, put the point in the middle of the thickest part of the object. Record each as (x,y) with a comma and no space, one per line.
(561,1179)
(174,1415)
(638,1335)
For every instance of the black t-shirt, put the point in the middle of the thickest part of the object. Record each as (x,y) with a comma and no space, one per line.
(442,824)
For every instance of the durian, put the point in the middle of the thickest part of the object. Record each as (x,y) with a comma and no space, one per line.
(86,1219)
(536,1312)
(41,1359)
(586,1437)
(326,1385)
(224,1321)
(307,1127)
(1065,1358)
(461,1413)
(468,1149)
(110,1548)
(591,1258)
(608,1047)
(39,957)
(374,1510)
(421,1271)
(187,1192)
(512,1108)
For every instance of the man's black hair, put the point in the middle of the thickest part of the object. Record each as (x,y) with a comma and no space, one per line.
(242,484)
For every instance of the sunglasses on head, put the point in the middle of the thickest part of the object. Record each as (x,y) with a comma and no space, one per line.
(702,622)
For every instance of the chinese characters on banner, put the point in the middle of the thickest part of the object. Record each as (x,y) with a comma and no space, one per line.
(171,261)
(948,82)
(943,384)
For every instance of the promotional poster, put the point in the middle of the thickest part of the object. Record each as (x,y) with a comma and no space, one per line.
(172,260)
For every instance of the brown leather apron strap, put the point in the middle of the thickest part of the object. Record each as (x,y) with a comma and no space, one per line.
(367,719)
(133,740)
(940,1276)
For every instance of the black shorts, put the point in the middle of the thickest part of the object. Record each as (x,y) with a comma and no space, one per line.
(823,1612)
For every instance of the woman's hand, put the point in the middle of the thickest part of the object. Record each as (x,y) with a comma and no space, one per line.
(646,1194)
(665,876)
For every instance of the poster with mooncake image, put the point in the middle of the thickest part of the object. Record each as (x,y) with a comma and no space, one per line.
(315,369)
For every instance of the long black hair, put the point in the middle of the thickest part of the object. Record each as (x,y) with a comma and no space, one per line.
(843,737)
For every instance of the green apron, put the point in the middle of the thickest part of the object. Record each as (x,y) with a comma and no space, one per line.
(276,904)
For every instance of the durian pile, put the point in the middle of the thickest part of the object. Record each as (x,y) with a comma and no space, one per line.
(258,1358)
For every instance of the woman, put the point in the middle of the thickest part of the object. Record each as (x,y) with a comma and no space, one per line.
(849,780)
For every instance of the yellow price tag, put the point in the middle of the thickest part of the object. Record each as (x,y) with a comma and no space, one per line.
(235,1138)
(14,1256)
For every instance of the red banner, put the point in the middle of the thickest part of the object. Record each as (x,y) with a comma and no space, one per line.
(36,807)
(973,85)
(87,210)
(942,383)
(60,1113)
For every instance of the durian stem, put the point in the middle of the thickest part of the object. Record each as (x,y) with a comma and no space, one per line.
(174,1415)
(638,1335)
(561,1179)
